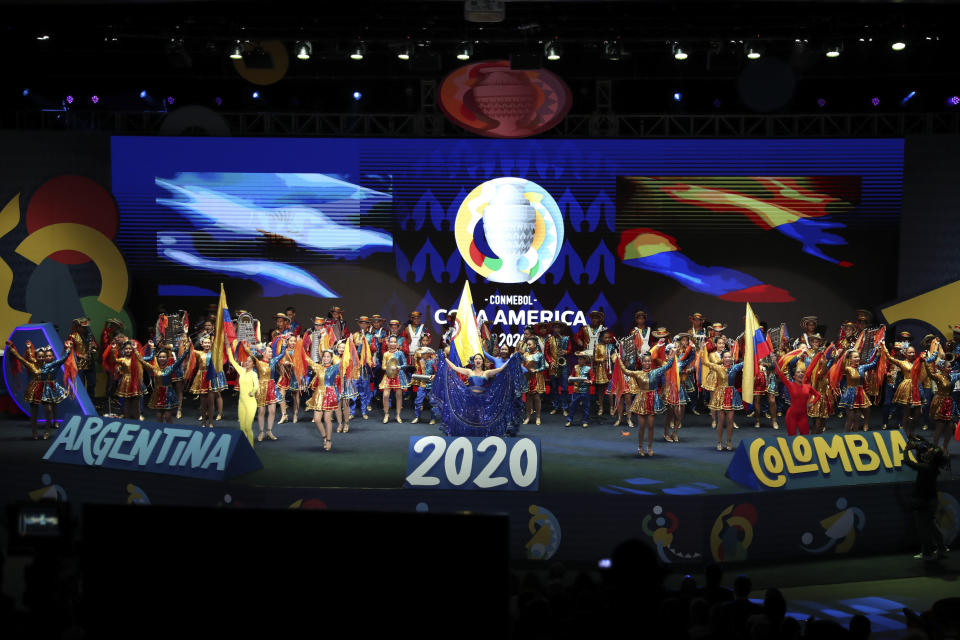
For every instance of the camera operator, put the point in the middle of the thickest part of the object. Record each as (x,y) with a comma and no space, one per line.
(930,460)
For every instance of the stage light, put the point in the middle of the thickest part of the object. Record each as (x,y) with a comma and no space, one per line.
(908,97)
(898,45)
(875,101)
(357,95)
(26,92)
(953,100)
(464,51)
(143,94)
(358,51)
(833,51)
(304,50)
(821,102)
(679,53)
(94,99)
(218,101)
(405,51)
(552,50)
(255,95)
(236,52)
(677,97)
(69,99)
(612,50)
(753,52)
(43,37)
(170,100)
(604,563)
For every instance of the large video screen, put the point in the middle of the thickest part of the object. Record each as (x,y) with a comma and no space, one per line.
(543,229)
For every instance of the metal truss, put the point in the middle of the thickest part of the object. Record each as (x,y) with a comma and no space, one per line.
(598,125)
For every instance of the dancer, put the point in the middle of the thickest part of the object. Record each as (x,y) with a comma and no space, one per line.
(587,339)
(348,388)
(84,346)
(581,377)
(677,399)
(647,403)
(942,410)
(800,393)
(487,405)
(710,354)
(326,398)
(43,387)
(817,374)
(163,367)
(366,349)
(289,381)
(768,366)
(726,396)
(535,364)
(207,381)
(854,398)
(248,384)
(130,385)
(266,365)
(907,394)
(424,365)
(394,377)
(892,411)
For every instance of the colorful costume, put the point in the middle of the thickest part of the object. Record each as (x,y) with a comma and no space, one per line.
(399,381)
(796,416)
(580,400)
(43,385)
(726,395)
(267,389)
(482,407)
(424,368)
(326,397)
(164,396)
(648,400)
(907,393)
(558,347)
(207,379)
(854,395)
(536,381)
(941,406)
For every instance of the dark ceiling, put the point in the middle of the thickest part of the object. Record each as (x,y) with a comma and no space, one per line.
(117,50)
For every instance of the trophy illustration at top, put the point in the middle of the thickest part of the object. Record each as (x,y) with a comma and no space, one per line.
(509,223)
(506,97)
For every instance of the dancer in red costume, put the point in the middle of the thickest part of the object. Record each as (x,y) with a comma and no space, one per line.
(796,417)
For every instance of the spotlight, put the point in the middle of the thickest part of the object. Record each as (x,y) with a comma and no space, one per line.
(833,51)
(69,99)
(464,51)
(753,51)
(255,95)
(552,50)
(218,101)
(908,97)
(953,101)
(26,92)
(43,37)
(236,51)
(875,101)
(677,97)
(357,95)
(679,53)
(405,51)
(143,94)
(94,99)
(304,50)
(359,50)
(821,102)
(898,45)
(612,50)
(170,100)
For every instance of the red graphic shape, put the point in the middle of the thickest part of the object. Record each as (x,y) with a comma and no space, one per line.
(72,199)
(758,293)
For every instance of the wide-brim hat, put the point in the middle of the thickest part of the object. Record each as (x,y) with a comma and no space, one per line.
(848,323)
(639,313)
(927,339)
(425,350)
(281,315)
(597,312)
(812,319)
(866,313)
(83,321)
(376,317)
(696,316)
(396,322)
(583,354)
(661,332)
(815,336)
(717,326)
(682,334)
(415,314)
(905,334)
(117,322)
(363,319)
(336,309)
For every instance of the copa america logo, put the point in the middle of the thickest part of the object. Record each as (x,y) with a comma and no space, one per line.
(509,230)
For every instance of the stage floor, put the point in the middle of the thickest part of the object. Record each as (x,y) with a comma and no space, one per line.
(598,459)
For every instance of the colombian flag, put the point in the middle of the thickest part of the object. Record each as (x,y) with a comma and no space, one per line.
(224,332)
(466,340)
(755,347)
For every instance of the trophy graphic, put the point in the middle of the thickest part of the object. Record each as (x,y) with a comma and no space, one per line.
(509,222)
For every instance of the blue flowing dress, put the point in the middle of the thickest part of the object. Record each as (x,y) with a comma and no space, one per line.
(482,407)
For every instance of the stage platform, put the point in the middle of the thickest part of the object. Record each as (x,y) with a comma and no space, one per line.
(594,490)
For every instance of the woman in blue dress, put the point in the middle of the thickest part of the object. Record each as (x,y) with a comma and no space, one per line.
(43,387)
(488,404)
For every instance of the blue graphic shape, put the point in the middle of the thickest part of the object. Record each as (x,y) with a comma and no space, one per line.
(451,216)
(427,205)
(572,211)
(682,490)
(714,281)
(402,264)
(642,481)
(602,207)
(812,233)
(600,257)
(609,315)
(567,262)
(275,278)
(185,290)
(603,489)
(428,254)
(312,209)
(636,492)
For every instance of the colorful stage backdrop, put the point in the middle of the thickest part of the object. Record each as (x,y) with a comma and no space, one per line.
(544,229)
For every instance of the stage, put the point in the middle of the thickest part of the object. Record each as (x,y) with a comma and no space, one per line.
(594,490)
